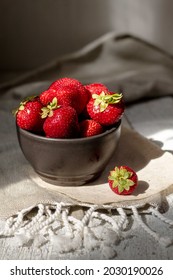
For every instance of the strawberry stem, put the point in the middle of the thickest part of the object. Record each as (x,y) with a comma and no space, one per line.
(103,100)
(48,111)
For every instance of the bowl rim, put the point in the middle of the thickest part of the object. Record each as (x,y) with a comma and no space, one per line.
(68,140)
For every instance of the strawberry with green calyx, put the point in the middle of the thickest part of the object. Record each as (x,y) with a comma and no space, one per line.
(96,88)
(106,108)
(90,128)
(28,115)
(60,121)
(74,85)
(123,180)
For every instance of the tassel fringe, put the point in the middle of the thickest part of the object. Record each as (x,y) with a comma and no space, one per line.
(100,227)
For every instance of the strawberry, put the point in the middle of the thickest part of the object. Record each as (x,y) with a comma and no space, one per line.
(47,96)
(106,108)
(74,95)
(28,115)
(123,180)
(61,121)
(96,88)
(65,82)
(90,128)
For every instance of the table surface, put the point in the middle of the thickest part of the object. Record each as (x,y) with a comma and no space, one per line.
(153,119)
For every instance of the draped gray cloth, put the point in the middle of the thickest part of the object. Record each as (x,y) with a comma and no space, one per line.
(124,64)
(35,32)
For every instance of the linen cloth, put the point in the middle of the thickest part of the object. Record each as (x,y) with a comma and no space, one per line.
(21,187)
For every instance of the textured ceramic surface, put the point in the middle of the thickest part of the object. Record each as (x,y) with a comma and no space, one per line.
(69,162)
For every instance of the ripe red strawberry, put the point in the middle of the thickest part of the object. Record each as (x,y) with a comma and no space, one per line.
(106,109)
(61,121)
(73,84)
(47,96)
(123,180)
(74,95)
(65,82)
(96,88)
(90,128)
(28,115)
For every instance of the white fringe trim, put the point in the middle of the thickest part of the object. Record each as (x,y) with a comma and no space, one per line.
(99,227)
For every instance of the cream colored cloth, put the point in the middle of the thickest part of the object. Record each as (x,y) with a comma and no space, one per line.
(21,187)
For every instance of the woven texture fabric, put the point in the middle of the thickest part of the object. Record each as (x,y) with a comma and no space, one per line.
(22,188)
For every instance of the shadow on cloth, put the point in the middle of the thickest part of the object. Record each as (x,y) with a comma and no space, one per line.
(133,150)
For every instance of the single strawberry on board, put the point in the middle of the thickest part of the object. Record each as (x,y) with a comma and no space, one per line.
(123,180)
(28,115)
(90,128)
(106,108)
(60,121)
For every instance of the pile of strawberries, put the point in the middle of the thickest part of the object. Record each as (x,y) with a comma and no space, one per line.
(69,109)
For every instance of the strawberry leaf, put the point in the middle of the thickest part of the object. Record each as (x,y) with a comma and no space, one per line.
(22,107)
(103,106)
(48,111)
(45,112)
(54,104)
(104,99)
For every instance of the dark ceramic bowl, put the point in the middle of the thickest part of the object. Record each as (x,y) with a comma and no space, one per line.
(69,162)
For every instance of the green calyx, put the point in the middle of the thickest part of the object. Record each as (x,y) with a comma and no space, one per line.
(103,100)
(48,111)
(120,177)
